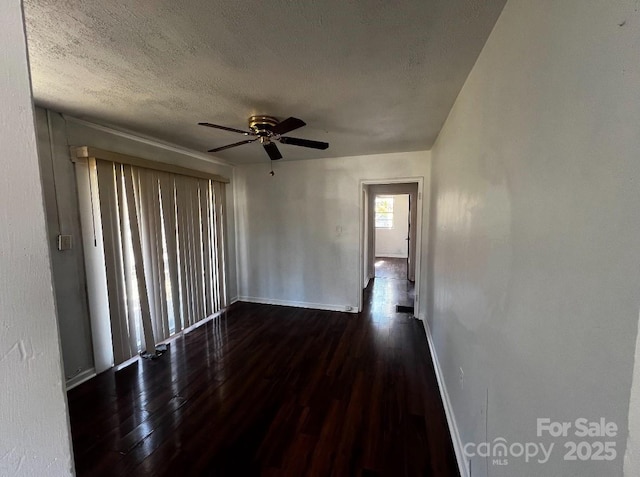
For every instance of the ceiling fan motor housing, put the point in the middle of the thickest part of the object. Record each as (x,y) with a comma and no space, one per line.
(263,125)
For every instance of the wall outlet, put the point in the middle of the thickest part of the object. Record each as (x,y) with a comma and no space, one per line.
(461,378)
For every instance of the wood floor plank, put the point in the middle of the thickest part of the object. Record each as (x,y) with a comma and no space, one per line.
(275,391)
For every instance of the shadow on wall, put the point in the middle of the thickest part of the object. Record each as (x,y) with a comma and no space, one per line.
(431,247)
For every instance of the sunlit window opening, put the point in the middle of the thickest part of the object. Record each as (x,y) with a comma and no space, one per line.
(384,212)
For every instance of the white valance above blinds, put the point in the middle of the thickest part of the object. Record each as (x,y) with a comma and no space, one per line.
(82,153)
(161,236)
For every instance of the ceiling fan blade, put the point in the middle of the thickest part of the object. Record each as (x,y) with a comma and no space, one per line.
(246,133)
(294,141)
(218,149)
(288,125)
(273,151)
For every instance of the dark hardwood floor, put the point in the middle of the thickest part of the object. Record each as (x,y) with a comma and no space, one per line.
(396,268)
(270,390)
(388,267)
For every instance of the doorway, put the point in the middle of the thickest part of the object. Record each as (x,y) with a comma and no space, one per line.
(390,231)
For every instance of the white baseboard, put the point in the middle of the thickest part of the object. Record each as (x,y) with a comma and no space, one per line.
(448,408)
(233,300)
(392,255)
(300,304)
(80,378)
(133,359)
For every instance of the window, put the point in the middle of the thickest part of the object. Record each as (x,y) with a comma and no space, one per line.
(384,212)
(159,237)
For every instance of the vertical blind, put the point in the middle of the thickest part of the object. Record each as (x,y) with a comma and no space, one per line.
(163,239)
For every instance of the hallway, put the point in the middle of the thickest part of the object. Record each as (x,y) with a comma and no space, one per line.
(387,267)
(270,390)
(392,283)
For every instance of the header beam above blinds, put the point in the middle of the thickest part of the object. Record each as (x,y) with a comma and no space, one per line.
(86,152)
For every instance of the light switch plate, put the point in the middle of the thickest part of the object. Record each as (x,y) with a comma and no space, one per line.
(65,242)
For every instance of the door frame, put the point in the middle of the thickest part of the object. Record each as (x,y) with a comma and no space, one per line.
(363,233)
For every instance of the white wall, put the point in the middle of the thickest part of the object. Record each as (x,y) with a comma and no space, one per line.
(34,434)
(393,242)
(536,231)
(298,232)
(55,135)
(61,206)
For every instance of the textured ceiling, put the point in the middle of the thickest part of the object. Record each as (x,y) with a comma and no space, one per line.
(367,76)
